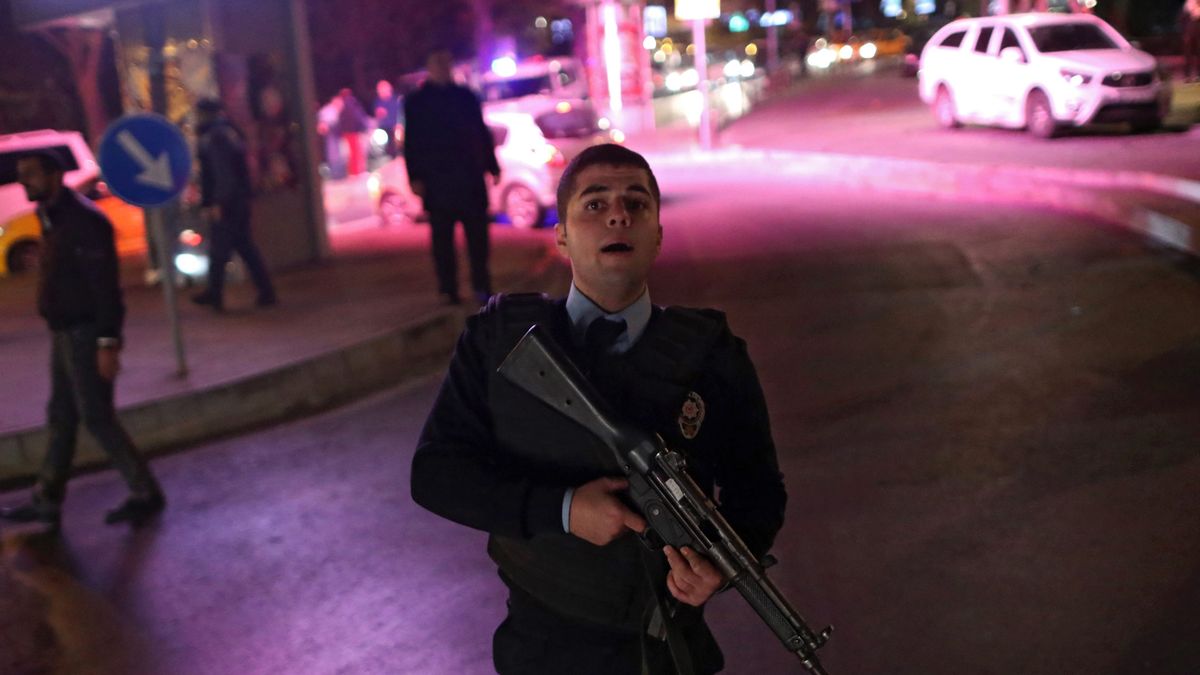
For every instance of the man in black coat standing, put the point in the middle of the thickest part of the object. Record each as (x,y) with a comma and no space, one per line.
(80,297)
(447,150)
(225,194)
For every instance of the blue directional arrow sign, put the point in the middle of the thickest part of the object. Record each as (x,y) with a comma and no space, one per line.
(145,160)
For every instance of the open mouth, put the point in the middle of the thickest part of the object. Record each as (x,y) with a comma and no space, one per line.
(617,247)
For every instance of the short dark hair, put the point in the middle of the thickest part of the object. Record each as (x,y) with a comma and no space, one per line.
(608,154)
(49,159)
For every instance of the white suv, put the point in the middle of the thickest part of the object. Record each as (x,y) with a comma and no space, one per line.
(1041,72)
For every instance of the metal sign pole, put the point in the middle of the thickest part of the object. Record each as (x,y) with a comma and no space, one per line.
(772,40)
(146,161)
(166,266)
(701,62)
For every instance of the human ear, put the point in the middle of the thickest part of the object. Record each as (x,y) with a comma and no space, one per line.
(560,238)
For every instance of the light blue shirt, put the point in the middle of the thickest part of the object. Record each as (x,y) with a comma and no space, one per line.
(581,312)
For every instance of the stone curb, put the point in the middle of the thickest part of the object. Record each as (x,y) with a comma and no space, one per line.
(418,348)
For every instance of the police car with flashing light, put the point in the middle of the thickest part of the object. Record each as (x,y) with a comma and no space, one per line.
(535,137)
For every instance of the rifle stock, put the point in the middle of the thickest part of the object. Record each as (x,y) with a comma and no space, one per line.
(675,508)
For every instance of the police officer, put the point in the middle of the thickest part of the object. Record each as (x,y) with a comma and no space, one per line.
(585,596)
(225,198)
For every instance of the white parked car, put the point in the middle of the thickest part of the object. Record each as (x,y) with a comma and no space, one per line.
(535,139)
(1042,72)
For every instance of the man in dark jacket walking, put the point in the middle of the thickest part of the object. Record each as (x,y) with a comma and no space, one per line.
(80,298)
(225,197)
(447,150)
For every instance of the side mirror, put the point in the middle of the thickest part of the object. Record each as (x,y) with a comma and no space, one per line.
(1012,55)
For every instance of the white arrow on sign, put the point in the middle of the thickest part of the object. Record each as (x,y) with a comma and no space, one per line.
(156,172)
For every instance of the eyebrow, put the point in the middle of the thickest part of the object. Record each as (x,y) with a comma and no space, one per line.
(604,188)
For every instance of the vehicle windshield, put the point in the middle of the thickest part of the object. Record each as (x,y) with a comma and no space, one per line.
(578,122)
(516,88)
(1069,37)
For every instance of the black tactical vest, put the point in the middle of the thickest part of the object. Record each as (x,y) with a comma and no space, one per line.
(647,386)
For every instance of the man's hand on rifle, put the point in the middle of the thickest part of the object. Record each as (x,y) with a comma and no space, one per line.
(598,515)
(692,579)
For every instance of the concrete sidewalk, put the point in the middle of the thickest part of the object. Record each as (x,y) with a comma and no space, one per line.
(367,319)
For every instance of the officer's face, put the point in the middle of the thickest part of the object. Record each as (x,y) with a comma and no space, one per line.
(39,184)
(611,231)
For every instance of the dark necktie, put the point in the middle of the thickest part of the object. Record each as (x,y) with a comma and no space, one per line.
(601,335)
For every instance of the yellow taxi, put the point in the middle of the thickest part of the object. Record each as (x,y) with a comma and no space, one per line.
(20,231)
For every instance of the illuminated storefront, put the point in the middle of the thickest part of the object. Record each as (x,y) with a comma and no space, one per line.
(254,56)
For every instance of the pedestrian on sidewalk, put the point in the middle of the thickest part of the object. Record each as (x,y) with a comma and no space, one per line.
(388,107)
(1190,19)
(584,595)
(352,123)
(79,296)
(327,127)
(447,151)
(225,201)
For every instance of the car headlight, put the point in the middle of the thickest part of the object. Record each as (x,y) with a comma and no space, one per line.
(1075,78)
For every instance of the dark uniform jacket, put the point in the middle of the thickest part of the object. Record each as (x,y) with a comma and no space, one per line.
(224,173)
(492,458)
(448,147)
(78,280)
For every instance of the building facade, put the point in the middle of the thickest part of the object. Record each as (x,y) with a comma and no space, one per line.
(255,57)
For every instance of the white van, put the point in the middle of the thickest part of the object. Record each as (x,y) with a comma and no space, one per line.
(1041,72)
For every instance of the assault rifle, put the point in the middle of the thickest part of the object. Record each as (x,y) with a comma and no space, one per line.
(676,510)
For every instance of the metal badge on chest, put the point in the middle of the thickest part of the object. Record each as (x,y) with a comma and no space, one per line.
(692,416)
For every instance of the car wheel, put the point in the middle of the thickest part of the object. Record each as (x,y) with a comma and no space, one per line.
(522,207)
(24,257)
(1039,118)
(395,209)
(944,110)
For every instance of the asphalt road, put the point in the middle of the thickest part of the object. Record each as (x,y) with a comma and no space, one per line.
(986,418)
(878,113)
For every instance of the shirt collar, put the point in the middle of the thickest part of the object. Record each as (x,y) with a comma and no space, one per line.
(582,312)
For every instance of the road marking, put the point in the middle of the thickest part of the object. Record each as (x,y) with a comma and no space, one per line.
(156,172)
